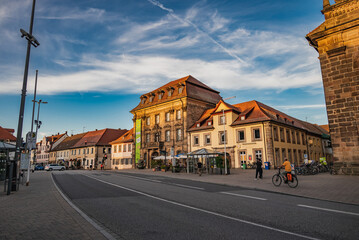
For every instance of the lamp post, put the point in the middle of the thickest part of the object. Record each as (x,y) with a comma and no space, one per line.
(31,40)
(37,122)
(31,132)
(224,134)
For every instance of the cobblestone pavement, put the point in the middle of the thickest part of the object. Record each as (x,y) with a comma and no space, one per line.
(39,212)
(337,188)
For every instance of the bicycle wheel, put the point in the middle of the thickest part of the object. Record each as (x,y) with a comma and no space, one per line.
(294,182)
(276,180)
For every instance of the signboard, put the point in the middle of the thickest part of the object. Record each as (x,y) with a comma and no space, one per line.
(30,141)
(24,161)
(138,140)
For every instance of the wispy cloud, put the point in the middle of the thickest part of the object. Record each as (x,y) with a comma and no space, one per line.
(289,107)
(90,14)
(171,12)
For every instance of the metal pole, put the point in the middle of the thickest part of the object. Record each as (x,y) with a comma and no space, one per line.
(32,129)
(9,183)
(23,96)
(37,125)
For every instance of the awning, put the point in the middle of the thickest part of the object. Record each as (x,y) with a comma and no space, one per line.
(7,146)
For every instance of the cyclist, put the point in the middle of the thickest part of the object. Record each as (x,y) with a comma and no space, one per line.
(287,169)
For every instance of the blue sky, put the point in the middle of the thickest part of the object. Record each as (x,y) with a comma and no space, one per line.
(97,57)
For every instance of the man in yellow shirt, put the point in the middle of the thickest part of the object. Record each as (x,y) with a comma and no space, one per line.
(287,168)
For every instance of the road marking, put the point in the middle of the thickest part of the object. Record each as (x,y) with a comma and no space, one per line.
(329,210)
(187,186)
(245,196)
(87,218)
(145,179)
(205,211)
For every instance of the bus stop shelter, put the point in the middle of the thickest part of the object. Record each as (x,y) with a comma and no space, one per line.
(5,150)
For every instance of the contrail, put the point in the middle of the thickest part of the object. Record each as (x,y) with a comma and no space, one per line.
(171,12)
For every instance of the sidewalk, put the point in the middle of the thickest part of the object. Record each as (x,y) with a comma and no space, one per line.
(337,188)
(39,212)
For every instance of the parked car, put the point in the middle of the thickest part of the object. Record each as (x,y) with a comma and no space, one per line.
(51,167)
(39,167)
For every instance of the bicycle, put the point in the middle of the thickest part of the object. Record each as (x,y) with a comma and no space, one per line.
(278,178)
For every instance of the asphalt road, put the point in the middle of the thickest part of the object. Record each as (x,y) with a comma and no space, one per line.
(135,206)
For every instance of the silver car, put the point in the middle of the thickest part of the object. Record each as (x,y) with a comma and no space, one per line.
(50,167)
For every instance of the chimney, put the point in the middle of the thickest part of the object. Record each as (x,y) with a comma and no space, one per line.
(326,4)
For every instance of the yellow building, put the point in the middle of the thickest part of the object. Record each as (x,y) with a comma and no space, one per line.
(251,130)
(163,116)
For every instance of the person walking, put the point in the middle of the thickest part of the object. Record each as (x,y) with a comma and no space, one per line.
(199,168)
(259,169)
(101,166)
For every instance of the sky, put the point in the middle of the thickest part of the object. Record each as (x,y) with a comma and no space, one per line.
(97,57)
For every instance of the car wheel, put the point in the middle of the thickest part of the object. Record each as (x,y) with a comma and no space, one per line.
(50,169)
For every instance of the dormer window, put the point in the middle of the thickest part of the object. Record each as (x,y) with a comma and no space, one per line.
(180,89)
(209,123)
(160,95)
(198,125)
(243,118)
(143,100)
(151,99)
(170,91)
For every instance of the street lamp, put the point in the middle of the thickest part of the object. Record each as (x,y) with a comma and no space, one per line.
(31,40)
(37,122)
(224,135)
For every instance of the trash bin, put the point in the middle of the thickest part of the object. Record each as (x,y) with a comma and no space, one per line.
(266,165)
(244,166)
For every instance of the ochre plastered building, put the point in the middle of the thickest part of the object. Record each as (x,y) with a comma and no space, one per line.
(165,114)
(254,130)
(337,42)
(122,156)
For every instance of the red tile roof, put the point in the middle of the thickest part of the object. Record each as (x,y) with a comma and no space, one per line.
(254,111)
(125,138)
(100,137)
(52,139)
(191,88)
(69,142)
(6,134)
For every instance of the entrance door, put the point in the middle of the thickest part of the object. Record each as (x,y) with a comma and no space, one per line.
(242,158)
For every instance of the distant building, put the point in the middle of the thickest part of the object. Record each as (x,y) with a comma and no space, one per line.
(253,130)
(337,42)
(121,153)
(45,146)
(163,116)
(94,148)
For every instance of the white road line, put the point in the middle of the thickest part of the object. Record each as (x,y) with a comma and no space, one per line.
(206,211)
(145,179)
(329,210)
(245,196)
(187,186)
(87,218)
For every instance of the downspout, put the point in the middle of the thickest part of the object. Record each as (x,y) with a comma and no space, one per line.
(265,143)
(274,155)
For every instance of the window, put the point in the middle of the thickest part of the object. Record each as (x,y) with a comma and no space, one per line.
(148,121)
(281,132)
(124,147)
(284,154)
(129,147)
(298,138)
(198,125)
(147,137)
(258,154)
(91,150)
(242,156)
(151,98)
(168,135)
(277,156)
(240,134)
(178,115)
(209,123)
(180,89)
(119,148)
(104,150)
(83,151)
(167,116)
(195,141)
(303,140)
(287,132)
(275,133)
(143,100)
(170,92)
(160,95)
(179,134)
(293,137)
(295,159)
(157,119)
(222,137)
(256,134)
(88,151)
(290,155)
(115,149)
(207,139)
(222,119)
(157,137)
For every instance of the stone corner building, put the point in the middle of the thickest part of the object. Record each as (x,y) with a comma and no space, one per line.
(165,114)
(337,42)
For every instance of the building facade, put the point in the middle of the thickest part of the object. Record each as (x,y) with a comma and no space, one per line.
(252,130)
(337,42)
(62,152)
(122,151)
(164,115)
(43,148)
